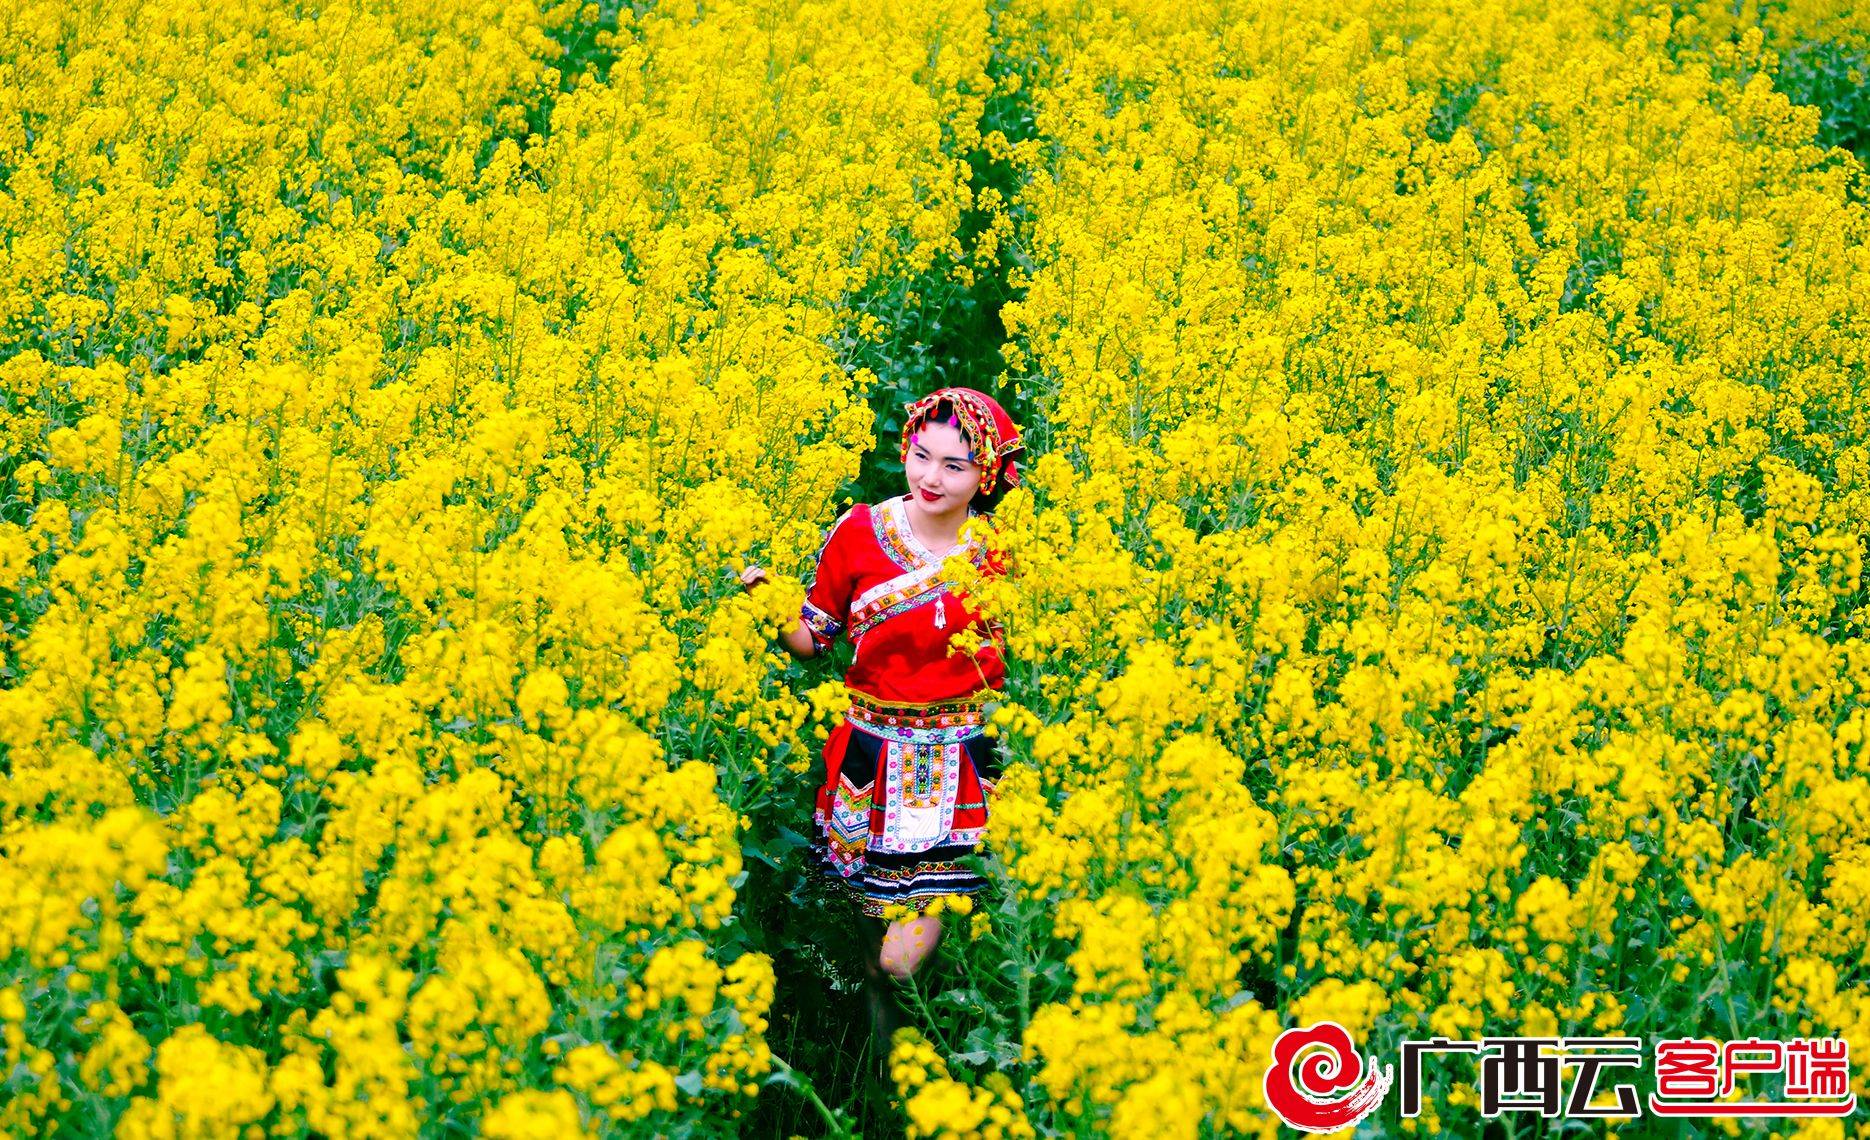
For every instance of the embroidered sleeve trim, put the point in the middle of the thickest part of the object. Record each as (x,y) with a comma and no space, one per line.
(823,627)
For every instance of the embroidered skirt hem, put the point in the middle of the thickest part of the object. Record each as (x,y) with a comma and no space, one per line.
(914,886)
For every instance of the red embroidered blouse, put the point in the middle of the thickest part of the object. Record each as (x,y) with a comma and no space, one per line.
(879,586)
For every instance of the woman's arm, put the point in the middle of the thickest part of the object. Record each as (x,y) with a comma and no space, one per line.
(828,595)
(797,640)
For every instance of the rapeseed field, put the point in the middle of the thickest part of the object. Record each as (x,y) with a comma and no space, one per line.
(1439,598)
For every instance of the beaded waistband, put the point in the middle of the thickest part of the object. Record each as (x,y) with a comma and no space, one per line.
(959,713)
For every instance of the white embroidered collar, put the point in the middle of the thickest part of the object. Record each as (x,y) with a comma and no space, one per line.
(896,521)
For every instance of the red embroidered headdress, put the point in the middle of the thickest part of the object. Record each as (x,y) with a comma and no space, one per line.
(989,431)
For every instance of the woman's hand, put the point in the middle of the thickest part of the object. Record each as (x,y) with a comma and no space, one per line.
(752,576)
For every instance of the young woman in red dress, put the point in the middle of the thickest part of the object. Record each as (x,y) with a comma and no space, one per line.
(909,770)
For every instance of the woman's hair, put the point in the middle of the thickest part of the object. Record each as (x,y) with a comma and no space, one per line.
(944,413)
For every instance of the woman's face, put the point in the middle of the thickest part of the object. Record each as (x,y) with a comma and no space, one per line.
(943,476)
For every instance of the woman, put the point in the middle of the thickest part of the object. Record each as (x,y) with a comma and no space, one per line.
(908,770)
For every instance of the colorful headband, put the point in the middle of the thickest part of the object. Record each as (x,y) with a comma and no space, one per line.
(989,431)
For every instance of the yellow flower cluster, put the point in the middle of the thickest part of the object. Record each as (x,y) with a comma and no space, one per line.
(938,905)
(942,1108)
(385,392)
(621,1092)
(535,1114)
(204,1087)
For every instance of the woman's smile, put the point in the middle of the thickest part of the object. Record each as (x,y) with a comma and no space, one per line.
(929,496)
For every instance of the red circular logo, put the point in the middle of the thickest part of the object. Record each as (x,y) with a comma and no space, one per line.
(1317,1082)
